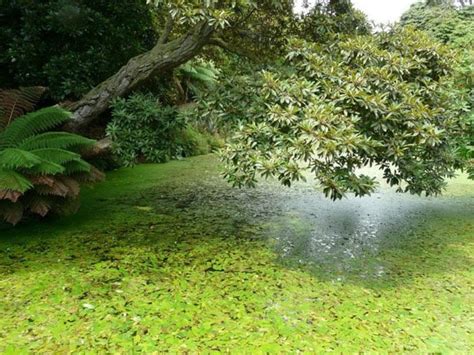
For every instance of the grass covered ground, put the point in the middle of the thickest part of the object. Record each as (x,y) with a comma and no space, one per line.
(168,257)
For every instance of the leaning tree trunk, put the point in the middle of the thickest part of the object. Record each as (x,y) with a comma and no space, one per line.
(162,58)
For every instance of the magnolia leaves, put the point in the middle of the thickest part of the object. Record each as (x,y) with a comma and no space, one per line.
(385,100)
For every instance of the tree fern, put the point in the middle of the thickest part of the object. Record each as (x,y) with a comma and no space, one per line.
(199,72)
(194,75)
(40,172)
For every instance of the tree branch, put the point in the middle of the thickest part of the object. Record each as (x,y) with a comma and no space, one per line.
(160,59)
(167,30)
(219,42)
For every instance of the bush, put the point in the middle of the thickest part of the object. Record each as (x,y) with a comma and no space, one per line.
(194,141)
(70,45)
(145,131)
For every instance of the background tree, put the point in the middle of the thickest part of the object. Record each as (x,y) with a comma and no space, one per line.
(454,26)
(328,19)
(70,46)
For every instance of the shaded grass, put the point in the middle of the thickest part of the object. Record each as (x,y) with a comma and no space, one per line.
(168,257)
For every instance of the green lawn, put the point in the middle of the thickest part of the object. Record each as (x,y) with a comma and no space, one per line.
(168,257)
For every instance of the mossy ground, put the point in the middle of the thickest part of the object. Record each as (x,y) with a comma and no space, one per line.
(168,257)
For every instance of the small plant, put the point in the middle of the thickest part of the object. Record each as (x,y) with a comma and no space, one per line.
(40,170)
(195,77)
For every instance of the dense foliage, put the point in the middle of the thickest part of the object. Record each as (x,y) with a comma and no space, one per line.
(384,99)
(454,26)
(143,130)
(70,45)
(341,99)
(41,170)
(451,25)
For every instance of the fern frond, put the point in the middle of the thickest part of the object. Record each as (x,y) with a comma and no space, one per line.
(95,175)
(42,180)
(13,196)
(199,73)
(57,140)
(204,75)
(74,188)
(39,205)
(17,102)
(12,158)
(58,189)
(57,156)
(12,212)
(31,124)
(46,167)
(13,181)
(67,206)
(77,166)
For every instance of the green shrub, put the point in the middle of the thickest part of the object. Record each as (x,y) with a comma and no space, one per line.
(143,130)
(70,45)
(192,142)
(41,171)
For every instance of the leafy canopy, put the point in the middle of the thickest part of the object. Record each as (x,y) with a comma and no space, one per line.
(385,99)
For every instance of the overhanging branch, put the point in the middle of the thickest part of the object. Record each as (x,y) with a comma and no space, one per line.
(219,42)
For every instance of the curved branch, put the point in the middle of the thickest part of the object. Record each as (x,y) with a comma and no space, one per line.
(160,59)
(167,31)
(219,42)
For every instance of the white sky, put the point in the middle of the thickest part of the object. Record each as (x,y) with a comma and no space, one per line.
(380,11)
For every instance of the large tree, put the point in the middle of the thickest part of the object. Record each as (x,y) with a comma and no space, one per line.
(387,100)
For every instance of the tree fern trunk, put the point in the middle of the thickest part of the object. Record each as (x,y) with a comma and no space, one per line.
(162,58)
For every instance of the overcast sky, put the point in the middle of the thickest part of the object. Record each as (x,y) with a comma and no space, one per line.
(381,11)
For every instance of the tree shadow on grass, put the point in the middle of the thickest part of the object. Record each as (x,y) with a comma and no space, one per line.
(376,247)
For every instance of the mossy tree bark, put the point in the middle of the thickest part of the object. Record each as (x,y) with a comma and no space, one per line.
(160,59)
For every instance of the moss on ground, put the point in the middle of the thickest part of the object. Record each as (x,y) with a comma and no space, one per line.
(168,257)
